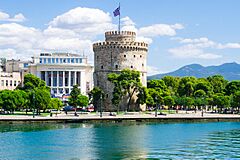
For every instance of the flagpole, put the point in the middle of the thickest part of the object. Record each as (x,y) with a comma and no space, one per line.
(119,18)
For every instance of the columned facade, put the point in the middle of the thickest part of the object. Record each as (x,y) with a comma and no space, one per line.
(61,71)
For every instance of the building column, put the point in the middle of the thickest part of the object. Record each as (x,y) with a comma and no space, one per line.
(51,79)
(46,77)
(83,82)
(69,79)
(63,82)
(57,82)
(75,78)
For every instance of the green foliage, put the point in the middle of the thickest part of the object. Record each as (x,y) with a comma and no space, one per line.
(73,100)
(55,103)
(95,94)
(126,83)
(232,87)
(169,101)
(82,100)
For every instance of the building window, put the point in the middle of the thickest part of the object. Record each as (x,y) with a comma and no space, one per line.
(45,60)
(116,66)
(125,55)
(140,56)
(72,60)
(131,66)
(15,83)
(80,60)
(142,74)
(49,60)
(53,60)
(2,82)
(76,60)
(6,82)
(134,55)
(19,82)
(101,67)
(54,78)
(10,82)
(60,78)
(66,78)
(64,60)
(40,61)
(61,60)
(68,60)
(56,60)
(106,95)
(143,65)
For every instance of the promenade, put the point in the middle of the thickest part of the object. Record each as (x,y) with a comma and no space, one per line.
(132,116)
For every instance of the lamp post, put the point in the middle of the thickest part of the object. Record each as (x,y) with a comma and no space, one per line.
(33,105)
(156,107)
(101,105)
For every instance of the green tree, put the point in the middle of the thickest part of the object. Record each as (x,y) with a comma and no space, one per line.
(172,83)
(232,87)
(8,100)
(186,86)
(221,101)
(55,103)
(73,100)
(82,100)
(126,83)
(21,99)
(95,96)
(218,82)
(236,100)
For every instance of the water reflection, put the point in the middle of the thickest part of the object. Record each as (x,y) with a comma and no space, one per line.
(120,141)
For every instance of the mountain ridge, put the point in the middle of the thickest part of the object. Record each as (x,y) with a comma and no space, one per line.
(230,71)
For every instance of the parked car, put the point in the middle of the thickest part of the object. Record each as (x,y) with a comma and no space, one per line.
(68,108)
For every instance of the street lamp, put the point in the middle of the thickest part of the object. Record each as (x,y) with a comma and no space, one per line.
(33,105)
(101,105)
(156,107)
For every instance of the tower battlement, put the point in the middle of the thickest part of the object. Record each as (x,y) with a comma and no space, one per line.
(120,36)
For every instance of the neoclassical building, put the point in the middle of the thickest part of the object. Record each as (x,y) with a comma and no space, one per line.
(119,51)
(61,71)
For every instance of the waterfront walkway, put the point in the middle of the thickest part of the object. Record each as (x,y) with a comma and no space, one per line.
(84,117)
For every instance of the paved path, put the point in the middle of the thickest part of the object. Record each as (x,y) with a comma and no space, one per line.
(128,116)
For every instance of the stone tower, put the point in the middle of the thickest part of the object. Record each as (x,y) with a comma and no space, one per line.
(118,52)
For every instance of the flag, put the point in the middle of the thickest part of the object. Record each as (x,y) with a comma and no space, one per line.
(116,12)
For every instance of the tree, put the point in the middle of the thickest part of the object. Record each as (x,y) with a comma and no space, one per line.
(221,101)
(169,101)
(31,81)
(218,82)
(8,100)
(186,86)
(21,98)
(236,100)
(232,87)
(95,94)
(126,83)
(39,99)
(82,100)
(74,94)
(172,83)
(55,103)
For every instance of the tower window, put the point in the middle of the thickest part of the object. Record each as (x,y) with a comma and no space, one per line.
(125,55)
(116,66)
(101,67)
(142,74)
(140,56)
(131,66)
(142,64)
(134,56)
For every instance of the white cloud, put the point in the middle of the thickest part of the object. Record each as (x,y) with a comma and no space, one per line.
(190,51)
(16,18)
(159,30)
(84,21)
(151,70)
(229,45)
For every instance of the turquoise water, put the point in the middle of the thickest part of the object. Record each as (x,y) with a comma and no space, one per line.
(120,141)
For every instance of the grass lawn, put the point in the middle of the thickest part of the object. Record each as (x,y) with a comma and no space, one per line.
(20,113)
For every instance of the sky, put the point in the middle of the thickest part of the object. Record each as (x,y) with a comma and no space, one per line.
(178,32)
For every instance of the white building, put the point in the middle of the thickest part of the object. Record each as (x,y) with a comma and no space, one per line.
(9,80)
(61,71)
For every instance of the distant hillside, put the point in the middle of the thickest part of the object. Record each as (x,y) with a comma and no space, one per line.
(230,71)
